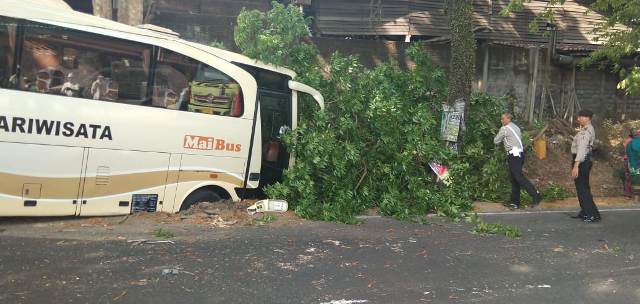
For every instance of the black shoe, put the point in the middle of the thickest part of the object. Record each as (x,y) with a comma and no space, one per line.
(536,200)
(513,206)
(591,219)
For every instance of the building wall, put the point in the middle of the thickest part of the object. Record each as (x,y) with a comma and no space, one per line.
(204,21)
(510,71)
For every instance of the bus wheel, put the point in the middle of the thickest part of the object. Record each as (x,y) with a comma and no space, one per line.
(200,196)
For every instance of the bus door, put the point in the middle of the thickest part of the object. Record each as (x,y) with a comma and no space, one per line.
(39,180)
(276,119)
(119,182)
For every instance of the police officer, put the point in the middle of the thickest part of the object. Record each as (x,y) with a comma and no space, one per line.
(510,135)
(581,149)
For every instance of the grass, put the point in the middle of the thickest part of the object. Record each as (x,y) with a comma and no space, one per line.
(484,228)
(617,249)
(266,219)
(550,193)
(163,233)
(497,228)
(422,220)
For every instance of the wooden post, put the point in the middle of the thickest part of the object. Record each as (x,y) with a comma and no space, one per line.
(562,93)
(130,11)
(547,80)
(533,55)
(485,67)
(103,8)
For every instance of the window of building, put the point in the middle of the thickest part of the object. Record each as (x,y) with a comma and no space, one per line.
(186,84)
(7,52)
(66,62)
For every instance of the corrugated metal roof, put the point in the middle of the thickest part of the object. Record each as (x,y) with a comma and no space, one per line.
(574,20)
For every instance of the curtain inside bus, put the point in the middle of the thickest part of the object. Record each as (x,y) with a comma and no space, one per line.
(8,28)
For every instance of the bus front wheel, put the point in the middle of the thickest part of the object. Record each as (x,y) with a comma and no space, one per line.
(200,196)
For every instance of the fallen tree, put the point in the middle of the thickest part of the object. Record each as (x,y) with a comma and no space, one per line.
(372,146)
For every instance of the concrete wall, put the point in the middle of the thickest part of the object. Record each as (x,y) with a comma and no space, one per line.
(510,72)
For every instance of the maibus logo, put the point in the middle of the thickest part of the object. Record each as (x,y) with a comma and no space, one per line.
(209,143)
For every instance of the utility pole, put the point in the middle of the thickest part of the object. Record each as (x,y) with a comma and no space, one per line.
(103,8)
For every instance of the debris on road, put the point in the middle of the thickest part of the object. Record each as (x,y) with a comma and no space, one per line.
(343,301)
(142,282)
(268,205)
(332,242)
(175,271)
(422,253)
(171,271)
(221,223)
(120,296)
(145,241)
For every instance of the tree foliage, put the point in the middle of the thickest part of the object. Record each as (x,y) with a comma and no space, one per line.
(372,145)
(620,32)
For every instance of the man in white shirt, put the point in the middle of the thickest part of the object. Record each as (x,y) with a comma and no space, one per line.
(510,136)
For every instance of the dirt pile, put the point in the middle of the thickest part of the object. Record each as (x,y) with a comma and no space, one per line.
(218,214)
(556,168)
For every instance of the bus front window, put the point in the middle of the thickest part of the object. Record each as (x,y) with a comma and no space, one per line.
(184,83)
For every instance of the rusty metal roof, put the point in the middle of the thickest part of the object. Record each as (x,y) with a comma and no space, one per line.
(574,20)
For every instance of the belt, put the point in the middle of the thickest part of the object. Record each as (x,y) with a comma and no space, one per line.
(586,157)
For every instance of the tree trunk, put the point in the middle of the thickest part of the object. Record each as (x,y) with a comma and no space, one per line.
(102,8)
(130,12)
(462,69)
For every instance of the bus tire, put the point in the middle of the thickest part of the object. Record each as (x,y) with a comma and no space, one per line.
(200,196)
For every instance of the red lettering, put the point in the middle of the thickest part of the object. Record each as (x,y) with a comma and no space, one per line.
(220,143)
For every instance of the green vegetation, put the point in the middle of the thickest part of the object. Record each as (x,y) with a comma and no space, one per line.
(372,145)
(163,233)
(481,227)
(497,228)
(554,192)
(266,219)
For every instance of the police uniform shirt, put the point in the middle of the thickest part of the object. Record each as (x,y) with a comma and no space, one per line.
(583,143)
(508,138)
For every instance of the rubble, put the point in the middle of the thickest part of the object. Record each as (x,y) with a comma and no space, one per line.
(145,241)
(268,205)
(219,214)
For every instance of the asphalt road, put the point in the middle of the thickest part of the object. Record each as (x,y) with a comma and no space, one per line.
(558,260)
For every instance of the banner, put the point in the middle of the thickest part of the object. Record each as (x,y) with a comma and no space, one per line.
(452,119)
(441,171)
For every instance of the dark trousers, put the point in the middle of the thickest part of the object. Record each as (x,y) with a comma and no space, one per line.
(518,180)
(587,205)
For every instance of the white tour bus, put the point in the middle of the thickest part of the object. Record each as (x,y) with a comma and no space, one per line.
(101,118)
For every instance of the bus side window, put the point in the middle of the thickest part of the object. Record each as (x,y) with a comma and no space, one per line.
(186,84)
(7,52)
(66,62)
(171,85)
